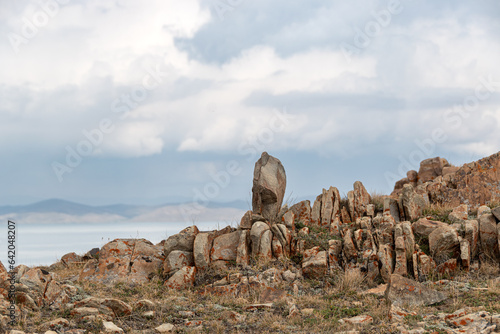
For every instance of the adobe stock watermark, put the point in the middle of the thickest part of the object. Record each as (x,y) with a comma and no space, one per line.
(250,148)
(363,37)
(31,26)
(453,119)
(224,7)
(94,138)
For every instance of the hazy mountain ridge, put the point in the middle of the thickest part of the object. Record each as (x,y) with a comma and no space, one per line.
(62,211)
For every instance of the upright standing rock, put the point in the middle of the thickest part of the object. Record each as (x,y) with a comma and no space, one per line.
(269,183)
(361,200)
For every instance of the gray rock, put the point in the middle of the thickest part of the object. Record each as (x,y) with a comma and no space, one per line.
(402,292)
(269,183)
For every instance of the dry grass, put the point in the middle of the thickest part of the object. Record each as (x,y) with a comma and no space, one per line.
(377,199)
(438,212)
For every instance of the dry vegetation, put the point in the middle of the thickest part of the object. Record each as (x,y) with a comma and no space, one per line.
(323,303)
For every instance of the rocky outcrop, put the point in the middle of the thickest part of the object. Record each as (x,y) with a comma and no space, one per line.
(269,183)
(130,260)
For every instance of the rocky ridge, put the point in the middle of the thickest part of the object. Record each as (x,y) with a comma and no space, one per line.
(398,244)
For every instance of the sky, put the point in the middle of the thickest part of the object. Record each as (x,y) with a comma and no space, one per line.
(148,102)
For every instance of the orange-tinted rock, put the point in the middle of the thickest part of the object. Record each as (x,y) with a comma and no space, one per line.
(55,296)
(405,291)
(269,183)
(302,212)
(283,235)
(400,268)
(412,202)
(444,244)
(182,279)
(475,183)
(334,251)
(358,320)
(361,200)
(448,267)
(459,213)
(330,206)
(350,252)
(176,260)
(277,248)
(424,227)
(224,247)
(386,258)
(315,266)
(70,258)
(119,308)
(130,260)
(346,218)
(184,240)
(431,168)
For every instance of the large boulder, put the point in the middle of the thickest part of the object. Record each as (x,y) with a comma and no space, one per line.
(315,266)
(302,211)
(224,247)
(403,292)
(413,202)
(444,244)
(431,168)
(182,241)
(129,260)
(361,200)
(269,183)
(488,234)
(176,260)
(330,206)
(182,279)
(256,234)
(424,227)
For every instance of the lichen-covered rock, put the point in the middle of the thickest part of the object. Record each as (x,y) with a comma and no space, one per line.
(424,227)
(269,183)
(224,247)
(176,260)
(302,211)
(183,241)
(444,244)
(488,235)
(127,260)
(256,234)
(315,266)
(459,213)
(330,206)
(182,279)
(402,291)
(413,203)
(361,200)
(431,169)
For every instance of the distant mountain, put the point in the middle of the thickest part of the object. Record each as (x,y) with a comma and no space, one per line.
(62,211)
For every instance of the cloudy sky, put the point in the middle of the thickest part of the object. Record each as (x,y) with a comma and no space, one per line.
(152,101)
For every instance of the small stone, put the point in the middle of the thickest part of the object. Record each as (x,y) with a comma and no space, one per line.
(165,328)
(111,328)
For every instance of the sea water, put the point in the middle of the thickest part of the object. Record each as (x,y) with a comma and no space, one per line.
(44,244)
